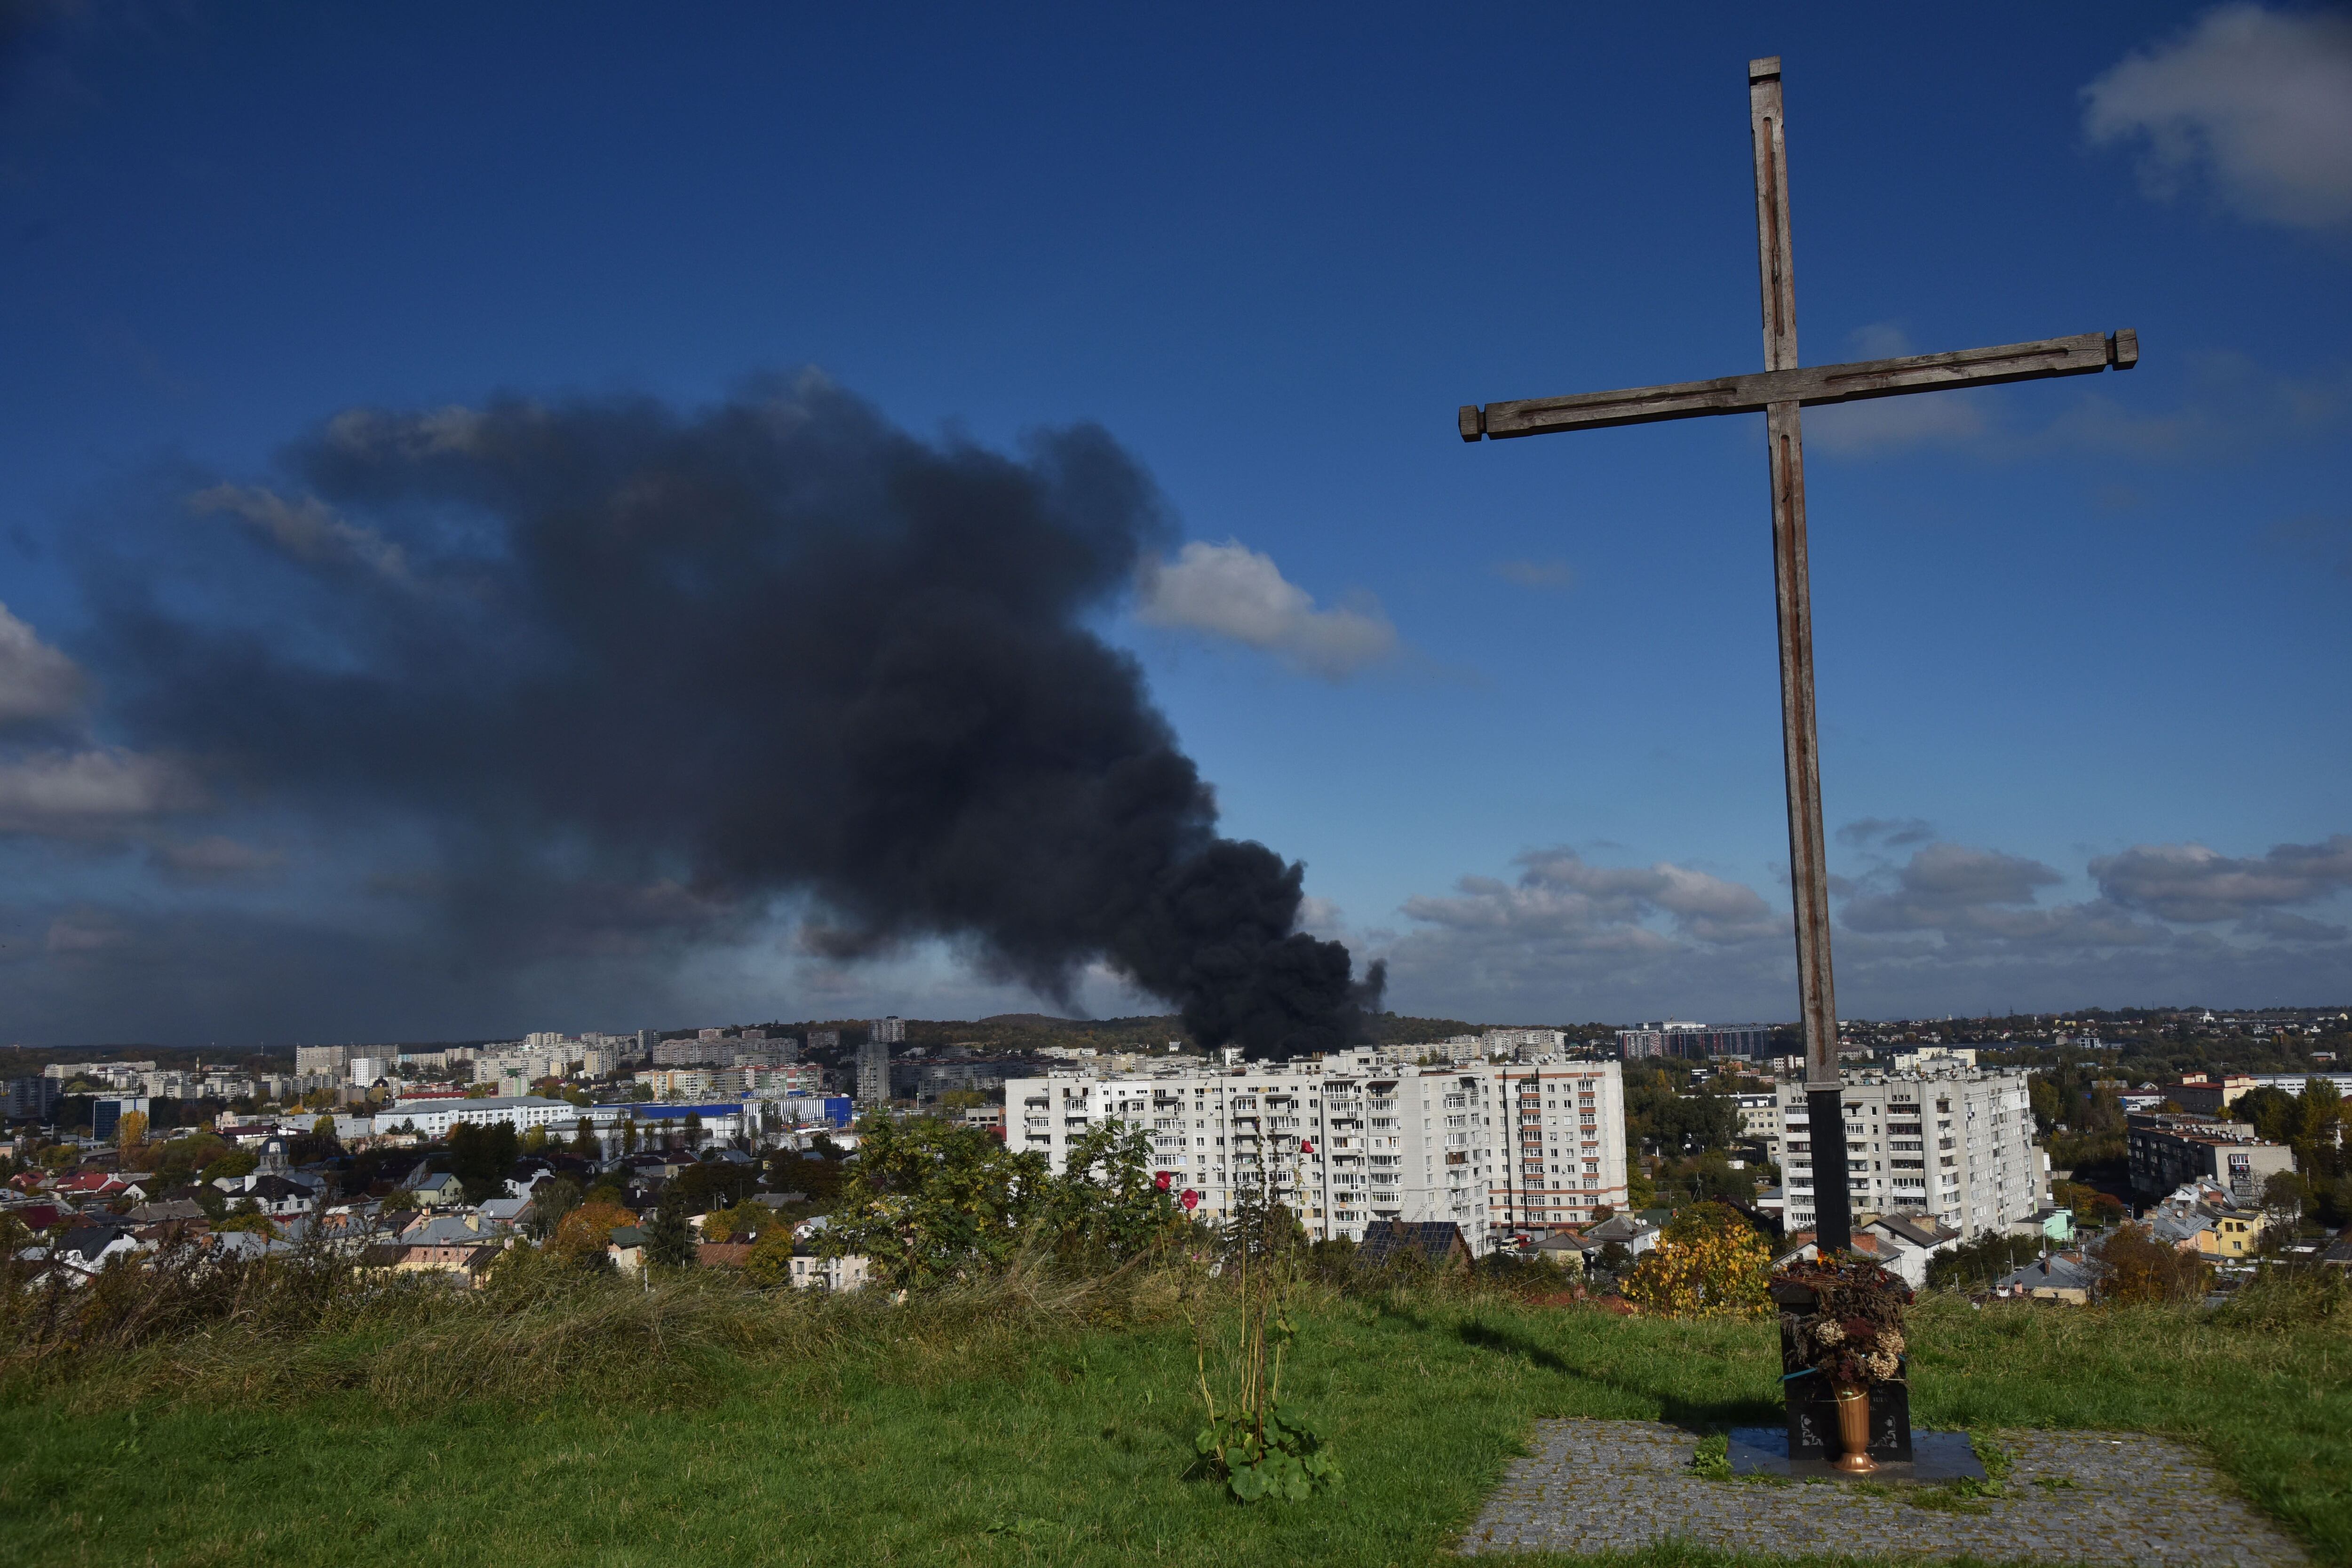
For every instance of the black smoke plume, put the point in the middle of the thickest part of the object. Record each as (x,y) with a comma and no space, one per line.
(776,646)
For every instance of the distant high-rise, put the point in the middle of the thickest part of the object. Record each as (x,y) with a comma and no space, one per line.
(874,1072)
(890,1031)
(321,1058)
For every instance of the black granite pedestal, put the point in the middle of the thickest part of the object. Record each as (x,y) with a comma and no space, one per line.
(1812,1404)
(1813,1420)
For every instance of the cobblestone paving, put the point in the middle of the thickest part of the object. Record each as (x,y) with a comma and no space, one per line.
(1620,1486)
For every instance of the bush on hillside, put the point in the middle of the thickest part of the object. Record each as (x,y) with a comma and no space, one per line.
(2137,1268)
(1709,1263)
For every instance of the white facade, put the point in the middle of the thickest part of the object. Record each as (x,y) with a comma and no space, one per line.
(1560,1142)
(433,1118)
(1351,1140)
(1944,1140)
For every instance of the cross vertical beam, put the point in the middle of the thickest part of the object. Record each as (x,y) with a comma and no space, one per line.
(1779,393)
(1799,743)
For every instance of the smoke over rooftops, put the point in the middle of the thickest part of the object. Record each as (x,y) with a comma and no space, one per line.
(775,645)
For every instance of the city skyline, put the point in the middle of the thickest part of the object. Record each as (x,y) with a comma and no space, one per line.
(2082,647)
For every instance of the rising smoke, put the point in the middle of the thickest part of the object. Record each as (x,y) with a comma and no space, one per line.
(775,647)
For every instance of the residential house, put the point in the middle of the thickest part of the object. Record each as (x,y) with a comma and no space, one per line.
(1914,1238)
(2200,1216)
(1637,1235)
(2064,1277)
(436,1189)
(91,1246)
(1436,1243)
(2053,1224)
(626,1247)
(811,1272)
(279,1198)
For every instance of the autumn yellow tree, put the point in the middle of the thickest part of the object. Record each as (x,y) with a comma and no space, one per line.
(581,1237)
(1709,1263)
(131,1131)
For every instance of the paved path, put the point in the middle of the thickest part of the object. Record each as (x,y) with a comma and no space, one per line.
(1620,1486)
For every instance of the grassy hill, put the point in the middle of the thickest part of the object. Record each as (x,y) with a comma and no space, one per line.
(1021,1423)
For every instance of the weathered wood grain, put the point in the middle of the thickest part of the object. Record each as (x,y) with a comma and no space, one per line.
(2086,353)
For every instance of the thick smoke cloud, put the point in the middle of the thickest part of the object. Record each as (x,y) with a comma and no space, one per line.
(775,647)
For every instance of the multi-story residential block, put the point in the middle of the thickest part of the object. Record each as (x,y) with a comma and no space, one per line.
(1562,1139)
(874,1072)
(2169,1151)
(34,1098)
(321,1059)
(2209,1094)
(1351,1140)
(1679,1037)
(1942,1139)
(1760,1122)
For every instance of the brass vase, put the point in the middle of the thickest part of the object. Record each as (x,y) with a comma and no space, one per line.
(1853,1429)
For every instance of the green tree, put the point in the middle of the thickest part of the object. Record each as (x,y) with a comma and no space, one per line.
(770,1261)
(584,1141)
(550,1201)
(927,1201)
(713,1183)
(1108,1206)
(236,1163)
(2275,1115)
(669,1240)
(480,1157)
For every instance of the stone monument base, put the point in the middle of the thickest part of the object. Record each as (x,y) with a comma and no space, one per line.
(1933,1457)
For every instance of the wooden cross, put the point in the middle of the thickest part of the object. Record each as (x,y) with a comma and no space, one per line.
(1778,393)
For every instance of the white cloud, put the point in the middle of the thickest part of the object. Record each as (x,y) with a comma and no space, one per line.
(1892,423)
(37,681)
(435,432)
(1232,591)
(73,793)
(2255,104)
(1954,928)
(308,529)
(2191,883)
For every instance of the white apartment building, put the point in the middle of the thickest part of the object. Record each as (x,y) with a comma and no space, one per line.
(1559,1144)
(1352,1138)
(1942,1139)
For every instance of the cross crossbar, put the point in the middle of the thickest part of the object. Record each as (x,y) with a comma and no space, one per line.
(1811,386)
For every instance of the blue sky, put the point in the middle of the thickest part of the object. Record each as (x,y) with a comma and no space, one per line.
(2083,646)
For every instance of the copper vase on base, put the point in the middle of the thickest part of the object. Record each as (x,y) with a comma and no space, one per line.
(1853,1430)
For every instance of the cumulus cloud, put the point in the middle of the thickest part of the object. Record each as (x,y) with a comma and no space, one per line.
(1954,927)
(1891,832)
(1232,591)
(306,528)
(1948,886)
(37,681)
(2194,884)
(2251,104)
(70,793)
(1894,424)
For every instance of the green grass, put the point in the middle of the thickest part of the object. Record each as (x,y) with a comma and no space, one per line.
(868,1436)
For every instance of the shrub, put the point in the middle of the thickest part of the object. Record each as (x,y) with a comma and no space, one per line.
(770,1261)
(2136,1268)
(582,1235)
(1710,1263)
